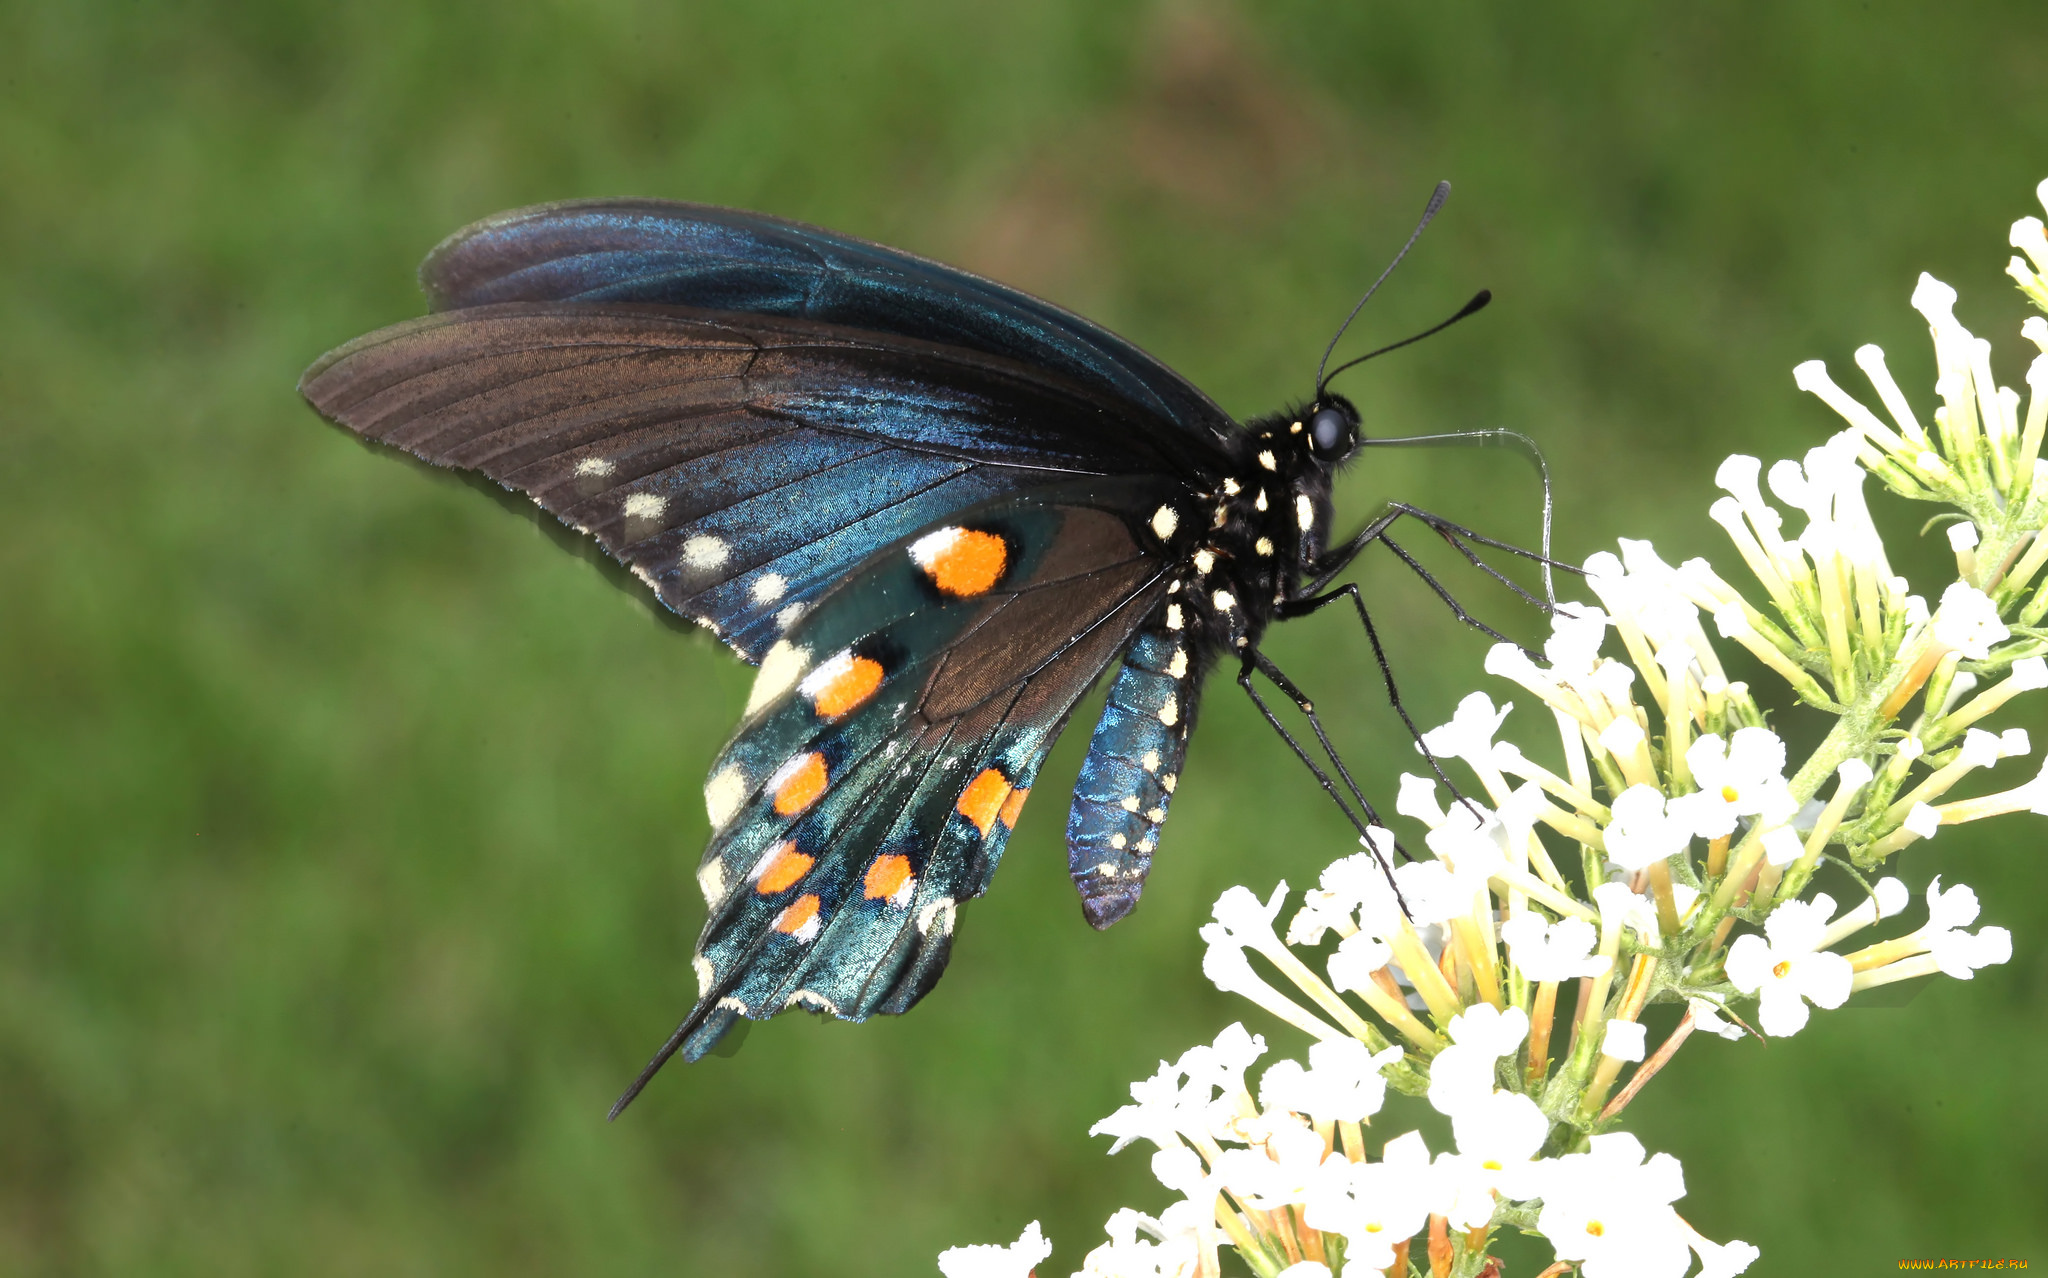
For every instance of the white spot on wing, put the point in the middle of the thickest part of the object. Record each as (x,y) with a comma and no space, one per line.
(929,547)
(645,505)
(705,974)
(808,932)
(733,1005)
(811,998)
(832,667)
(1173,616)
(939,914)
(705,553)
(723,795)
(788,616)
(1164,521)
(598,468)
(767,587)
(1304,512)
(782,665)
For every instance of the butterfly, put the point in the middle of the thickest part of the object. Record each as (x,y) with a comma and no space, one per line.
(931,509)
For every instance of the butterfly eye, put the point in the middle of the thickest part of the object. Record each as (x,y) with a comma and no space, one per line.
(1329,431)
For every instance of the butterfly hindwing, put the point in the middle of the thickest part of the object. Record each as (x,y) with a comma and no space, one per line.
(739,465)
(890,743)
(731,260)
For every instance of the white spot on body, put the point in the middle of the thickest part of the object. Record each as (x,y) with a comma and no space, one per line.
(1164,521)
(711,878)
(1168,781)
(1178,667)
(1304,512)
(1155,815)
(1259,502)
(1151,761)
(1169,714)
(767,587)
(1146,845)
(1173,616)
(1107,869)
(645,506)
(1117,841)
(723,795)
(1266,460)
(598,468)
(781,667)
(1131,803)
(1294,429)
(1230,486)
(1223,600)
(1204,561)
(939,914)
(705,553)
(1263,545)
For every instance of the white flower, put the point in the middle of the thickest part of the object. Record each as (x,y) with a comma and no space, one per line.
(1785,971)
(1721,1260)
(1560,951)
(1624,1040)
(1280,1175)
(1469,734)
(1306,1269)
(1967,621)
(1743,777)
(1576,632)
(1378,1206)
(1463,1073)
(988,1261)
(1956,952)
(1176,1254)
(1641,832)
(1358,956)
(1707,1016)
(1342,1083)
(1497,1142)
(1611,1211)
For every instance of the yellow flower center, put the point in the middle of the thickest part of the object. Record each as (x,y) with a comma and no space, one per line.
(1730,794)
(1782,970)
(1596,1229)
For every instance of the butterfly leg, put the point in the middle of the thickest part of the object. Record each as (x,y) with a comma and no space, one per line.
(1258,661)
(1303,607)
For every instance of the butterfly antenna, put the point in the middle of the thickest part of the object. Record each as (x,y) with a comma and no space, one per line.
(1436,202)
(1473,307)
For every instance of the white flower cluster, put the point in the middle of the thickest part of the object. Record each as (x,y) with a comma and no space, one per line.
(1679,817)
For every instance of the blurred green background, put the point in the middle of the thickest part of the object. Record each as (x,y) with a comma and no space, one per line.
(347,827)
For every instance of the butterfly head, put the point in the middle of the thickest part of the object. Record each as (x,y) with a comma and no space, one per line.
(1330,430)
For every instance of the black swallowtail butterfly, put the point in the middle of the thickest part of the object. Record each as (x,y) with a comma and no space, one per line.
(933,510)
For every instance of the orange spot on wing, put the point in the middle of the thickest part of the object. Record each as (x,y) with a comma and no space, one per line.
(801,784)
(1012,806)
(799,914)
(963,562)
(781,869)
(847,688)
(886,877)
(983,798)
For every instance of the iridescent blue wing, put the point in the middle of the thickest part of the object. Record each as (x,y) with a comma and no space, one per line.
(730,260)
(888,745)
(739,465)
